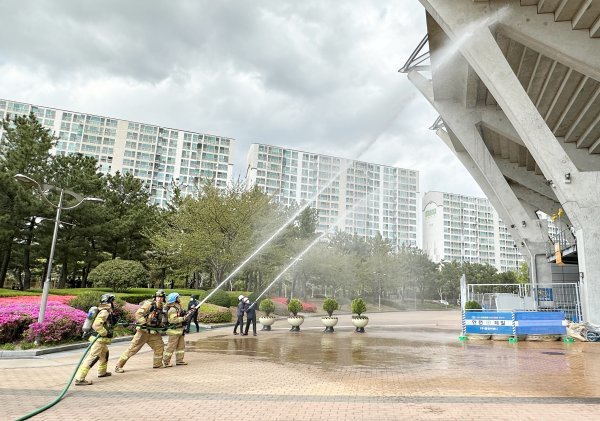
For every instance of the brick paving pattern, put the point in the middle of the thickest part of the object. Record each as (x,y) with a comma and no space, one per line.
(407,366)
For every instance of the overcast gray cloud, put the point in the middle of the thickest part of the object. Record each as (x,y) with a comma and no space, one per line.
(313,75)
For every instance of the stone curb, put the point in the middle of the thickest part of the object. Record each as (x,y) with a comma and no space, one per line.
(31,353)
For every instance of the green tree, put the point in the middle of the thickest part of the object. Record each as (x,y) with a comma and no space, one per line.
(218,229)
(25,149)
(76,248)
(523,274)
(130,219)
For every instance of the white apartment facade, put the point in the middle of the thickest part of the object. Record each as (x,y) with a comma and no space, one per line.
(466,229)
(354,196)
(162,157)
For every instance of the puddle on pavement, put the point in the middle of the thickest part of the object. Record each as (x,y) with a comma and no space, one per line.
(402,350)
(337,350)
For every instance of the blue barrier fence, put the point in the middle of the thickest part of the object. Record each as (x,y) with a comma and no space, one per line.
(514,322)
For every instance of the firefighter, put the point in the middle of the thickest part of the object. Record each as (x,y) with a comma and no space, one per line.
(241,308)
(103,328)
(250,316)
(193,307)
(150,321)
(177,318)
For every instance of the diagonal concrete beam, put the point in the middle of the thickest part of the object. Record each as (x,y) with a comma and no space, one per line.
(526,178)
(574,49)
(462,123)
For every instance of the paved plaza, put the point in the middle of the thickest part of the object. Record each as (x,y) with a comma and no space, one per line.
(408,365)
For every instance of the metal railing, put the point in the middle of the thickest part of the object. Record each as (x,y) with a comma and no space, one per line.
(563,297)
(566,241)
(417,57)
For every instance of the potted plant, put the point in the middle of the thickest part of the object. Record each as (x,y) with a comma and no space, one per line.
(267,306)
(294,306)
(472,305)
(360,321)
(329,305)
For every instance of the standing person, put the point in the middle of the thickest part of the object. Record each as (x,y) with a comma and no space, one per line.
(250,315)
(193,307)
(150,320)
(241,307)
(103,328)
(177,318)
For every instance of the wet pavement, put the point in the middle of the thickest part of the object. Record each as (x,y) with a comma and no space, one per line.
(408,365)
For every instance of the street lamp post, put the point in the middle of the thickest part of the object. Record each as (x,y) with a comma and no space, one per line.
(379,275)
(59,208)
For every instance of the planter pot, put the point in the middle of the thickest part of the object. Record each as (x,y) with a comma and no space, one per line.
(360,322)
(266,322)
(329,323)
(295,321)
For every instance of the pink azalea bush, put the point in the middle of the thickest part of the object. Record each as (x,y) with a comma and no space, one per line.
(17,318)
(306,307)
(130,309)
(12,325)
(309,307)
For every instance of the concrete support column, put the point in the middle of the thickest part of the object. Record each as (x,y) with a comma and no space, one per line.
(588,252)
(532,248)
(540,269)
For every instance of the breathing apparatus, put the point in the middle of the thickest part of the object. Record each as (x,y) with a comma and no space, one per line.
(93,312)
(89,321)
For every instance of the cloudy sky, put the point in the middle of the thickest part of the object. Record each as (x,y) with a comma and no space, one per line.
(314,75)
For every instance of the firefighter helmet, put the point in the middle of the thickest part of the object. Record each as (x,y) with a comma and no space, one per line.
(172,297)
(107,298)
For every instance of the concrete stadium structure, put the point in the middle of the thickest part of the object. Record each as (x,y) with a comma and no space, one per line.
(517,87)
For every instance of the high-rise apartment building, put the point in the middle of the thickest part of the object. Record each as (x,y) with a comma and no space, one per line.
(160,156)
(466,229)
(357,197)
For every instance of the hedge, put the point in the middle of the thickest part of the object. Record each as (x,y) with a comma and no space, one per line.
(210,313)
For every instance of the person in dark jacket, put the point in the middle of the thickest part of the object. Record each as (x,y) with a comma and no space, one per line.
(241,308)
(250,315)
(194,317)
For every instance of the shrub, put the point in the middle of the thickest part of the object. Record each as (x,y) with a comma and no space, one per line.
(86,300)
(17,313)
(308,307)
(210,313)
(330,305)
(219,298)
(118,274)
(89,299)
(136,298)
(280,300)
(12,325)
(268,306)
(294,306)
(358,306)
(61,322)
(280,309)
(472,305)
(27,345)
